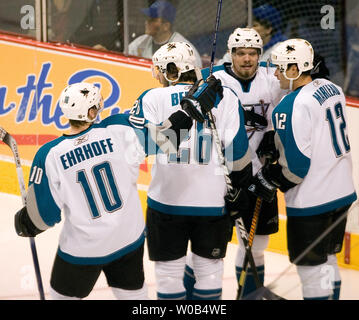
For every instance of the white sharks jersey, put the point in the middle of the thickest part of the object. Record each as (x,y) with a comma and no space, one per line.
(91,177)
(191,182)
(311,136)
(261,95)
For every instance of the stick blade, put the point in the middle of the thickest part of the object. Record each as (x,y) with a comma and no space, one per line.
(4,135)
(6,138)
(262,293)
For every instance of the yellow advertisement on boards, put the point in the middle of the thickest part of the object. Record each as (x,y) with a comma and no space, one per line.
(31,81)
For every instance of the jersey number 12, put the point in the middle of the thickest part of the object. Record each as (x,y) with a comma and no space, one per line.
(339,116)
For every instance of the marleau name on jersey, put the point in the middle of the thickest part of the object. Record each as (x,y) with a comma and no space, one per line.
(325,92)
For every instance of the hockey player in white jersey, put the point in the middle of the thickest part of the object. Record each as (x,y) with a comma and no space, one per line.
(314,168)
(259,91)
(187,190)
(90,174)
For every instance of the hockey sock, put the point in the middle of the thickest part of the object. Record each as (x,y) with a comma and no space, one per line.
(122,294)
(213,294)
(209,275)
(336,290)
(169,279)
(250,284)
(188,281)
(336,282)
(315,284)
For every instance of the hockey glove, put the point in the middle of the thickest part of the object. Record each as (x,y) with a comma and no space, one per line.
(320,70)
(209,94)
(24,226)
(267,148)
(192,108)
(255,120)
(237,203)
(262,186)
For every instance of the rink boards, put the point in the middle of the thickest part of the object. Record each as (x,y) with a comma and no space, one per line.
(30,87)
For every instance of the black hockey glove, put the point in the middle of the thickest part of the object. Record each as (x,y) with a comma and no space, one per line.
(201,99)
(320,70)
(181,123)
(237,203)
(209,94)
(267,148)
(255,120)
(192,108)
(262,186)
(24,226)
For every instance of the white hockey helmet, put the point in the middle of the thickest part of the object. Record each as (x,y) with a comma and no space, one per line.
(245,38)
(298,51)
(179,53)
(76,99)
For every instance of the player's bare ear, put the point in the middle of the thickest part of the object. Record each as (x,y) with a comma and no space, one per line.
(92,113)
(292,70)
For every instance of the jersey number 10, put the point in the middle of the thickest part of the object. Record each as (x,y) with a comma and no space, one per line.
(105,185)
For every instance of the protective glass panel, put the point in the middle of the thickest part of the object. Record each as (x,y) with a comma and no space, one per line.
(93,23)
(351,83)
(18,16)
(193,21)
(320,22)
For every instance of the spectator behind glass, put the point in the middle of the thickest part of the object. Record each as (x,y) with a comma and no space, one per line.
(62,23)
(102,28)
(267,22)
(351,82)
(93,23)
(158,31)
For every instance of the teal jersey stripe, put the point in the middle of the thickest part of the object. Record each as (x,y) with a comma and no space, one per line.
(239,146)
(106,259)
(48,209)
(139,99)
(325,207)
(148,144)
(298,163)
(205,71)
(185,210)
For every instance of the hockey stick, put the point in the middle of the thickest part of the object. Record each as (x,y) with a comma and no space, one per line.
(11,142)
(209,113)
(229,186)
(310,247)
(243,275)
(265,293)
(252,231)
(219,7)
